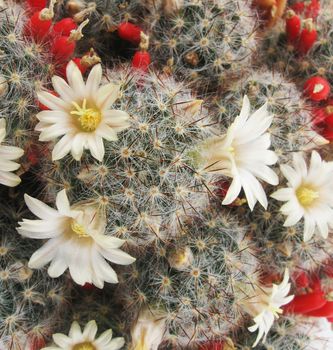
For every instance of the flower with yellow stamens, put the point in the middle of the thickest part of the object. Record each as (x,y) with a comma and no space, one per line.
(76,240)
(86,340)
(81,114)
(308,194)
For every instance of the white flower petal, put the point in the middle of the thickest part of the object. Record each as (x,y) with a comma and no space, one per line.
(62,203)
(44,255)
(63,89)
(40,209)
(117,256)
(62,148)
(62,340)
(94,79)
(107,95)
(9,179)
(53,102)
(90,330)
(75,80)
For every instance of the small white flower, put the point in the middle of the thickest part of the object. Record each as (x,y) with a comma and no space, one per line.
(308,195)
(81,114)
(76,240)
(78,340)
(7,155)
(243,154)
(148,331)
(268,306)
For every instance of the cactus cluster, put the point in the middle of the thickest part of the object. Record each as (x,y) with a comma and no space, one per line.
(146,183)
(205,42)
(32,304)
(194,159)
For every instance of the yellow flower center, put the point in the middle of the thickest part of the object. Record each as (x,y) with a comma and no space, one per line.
(78,229)
(84,346)
(88,118)
(306,195)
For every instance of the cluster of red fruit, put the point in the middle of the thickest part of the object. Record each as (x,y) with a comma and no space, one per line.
(302,37)
(311,299)
(60,37)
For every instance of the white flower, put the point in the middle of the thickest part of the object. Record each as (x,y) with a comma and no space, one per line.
(268,306)
(78,340)
(76,240)
(243,154)
(308,195)
(148,331)
(81,113)
(7,155)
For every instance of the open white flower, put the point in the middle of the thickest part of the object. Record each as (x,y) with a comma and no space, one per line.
(81,114)
(243,154)
(7,155)
(149,330)
(86,340)
(76,240)
(266,306)
(308,195)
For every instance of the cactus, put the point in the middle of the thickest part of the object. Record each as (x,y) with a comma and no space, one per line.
(24,69)
(292,129)
(193,280)
(206,42)
(32,304)
(146,182)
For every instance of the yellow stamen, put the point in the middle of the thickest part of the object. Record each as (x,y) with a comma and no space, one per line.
(84,346)
(306,195)
(88,118)
(78,229)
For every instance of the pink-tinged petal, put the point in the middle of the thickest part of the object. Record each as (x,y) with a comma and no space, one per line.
(75,80)
(94,80)
(52,117)
(52,132)
(107,95)
(53,102)
(62,148)
(63,89)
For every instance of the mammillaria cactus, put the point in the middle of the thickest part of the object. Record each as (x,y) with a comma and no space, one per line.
(31,303)
(205,42)
(23,70)
(193,281)
(145,181)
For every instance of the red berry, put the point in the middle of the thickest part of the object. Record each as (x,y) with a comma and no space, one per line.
(302,280)
(327,132)
(324,114)
(38,28)
(64,27)
(36,5)
(293,26)
(298,7)
(307,38)
(330,319)
(63,48)
(88,286)
(325,311)
(317,88)
(211,345)
(302,304)
(312,9)
(141,60)
(130,32)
